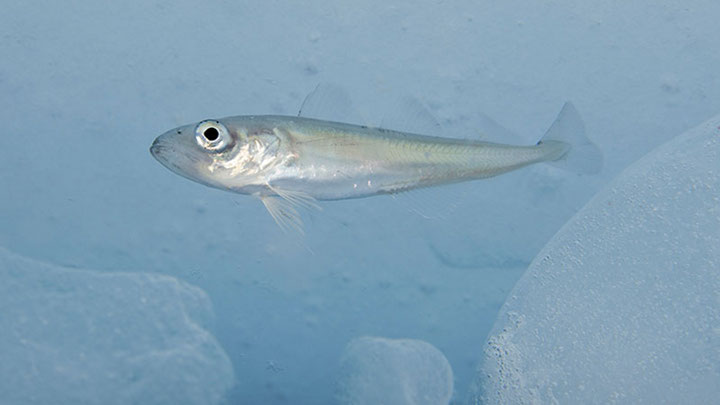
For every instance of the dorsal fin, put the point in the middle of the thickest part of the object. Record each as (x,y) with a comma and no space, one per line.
(331,103)
(410,115)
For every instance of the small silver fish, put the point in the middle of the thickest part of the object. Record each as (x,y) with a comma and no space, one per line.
(289,161)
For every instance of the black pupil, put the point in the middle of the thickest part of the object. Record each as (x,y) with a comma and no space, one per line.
(211,134)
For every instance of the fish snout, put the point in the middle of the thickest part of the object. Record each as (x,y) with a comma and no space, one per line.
(173,152)
(157,148)
(164,152)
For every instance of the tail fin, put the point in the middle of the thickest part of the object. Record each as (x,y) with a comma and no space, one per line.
(581,156)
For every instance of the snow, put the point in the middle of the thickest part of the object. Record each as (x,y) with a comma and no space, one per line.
(379,371)
(79,337)
(623,304)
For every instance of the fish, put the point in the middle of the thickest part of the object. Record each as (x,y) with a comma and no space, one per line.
(288,162)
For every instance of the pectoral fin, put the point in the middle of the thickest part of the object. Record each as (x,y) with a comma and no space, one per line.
(296,198)
(283,212)
(283,207)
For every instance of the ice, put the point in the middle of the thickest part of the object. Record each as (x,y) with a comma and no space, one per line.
(85,87)
(623,304)
(377,371)
(79,337)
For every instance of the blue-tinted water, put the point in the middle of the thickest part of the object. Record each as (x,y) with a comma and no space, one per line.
(261,316)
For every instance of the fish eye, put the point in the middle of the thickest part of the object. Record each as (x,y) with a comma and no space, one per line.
(213,135)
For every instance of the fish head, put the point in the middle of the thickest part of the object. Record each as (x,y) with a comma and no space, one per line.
(216,153)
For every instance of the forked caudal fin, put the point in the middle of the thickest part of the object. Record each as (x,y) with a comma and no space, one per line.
(581,156)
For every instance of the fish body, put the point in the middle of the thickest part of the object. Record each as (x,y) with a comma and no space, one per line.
(288,161)
(332,161)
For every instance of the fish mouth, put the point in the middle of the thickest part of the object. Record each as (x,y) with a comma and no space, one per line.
(156,148)
(165,154)
(176,159)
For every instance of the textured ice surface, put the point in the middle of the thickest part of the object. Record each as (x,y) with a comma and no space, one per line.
(379,371)
(623,304)
(79,337)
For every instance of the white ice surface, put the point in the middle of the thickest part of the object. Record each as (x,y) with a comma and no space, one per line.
(379,371)
(79,337)
(623,304)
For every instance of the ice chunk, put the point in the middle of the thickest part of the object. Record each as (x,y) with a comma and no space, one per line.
(79,337)
(623,304)
(377,371)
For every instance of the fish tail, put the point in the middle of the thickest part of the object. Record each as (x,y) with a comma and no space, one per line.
(569,148)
